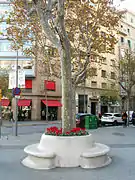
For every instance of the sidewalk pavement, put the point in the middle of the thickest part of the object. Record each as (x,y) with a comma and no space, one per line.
(116,137)
(7,123)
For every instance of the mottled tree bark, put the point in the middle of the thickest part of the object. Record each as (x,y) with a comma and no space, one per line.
(66,89)
(73,105)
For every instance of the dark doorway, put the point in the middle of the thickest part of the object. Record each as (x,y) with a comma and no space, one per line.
(104,109)
(93,108)
(82,103)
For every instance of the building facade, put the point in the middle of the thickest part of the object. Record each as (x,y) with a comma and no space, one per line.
(42,94)
(127,41)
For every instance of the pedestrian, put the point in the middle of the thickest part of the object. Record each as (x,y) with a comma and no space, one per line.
(133,117)
(124,118)
(11,116)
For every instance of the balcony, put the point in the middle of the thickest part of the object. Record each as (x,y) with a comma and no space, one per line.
(30,73)
(123,31)
(11,55)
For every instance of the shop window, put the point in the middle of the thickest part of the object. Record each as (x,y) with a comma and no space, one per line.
(50,85)
(28,84)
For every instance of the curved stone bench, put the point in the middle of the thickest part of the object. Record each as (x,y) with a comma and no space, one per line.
(95,157)
(39,159)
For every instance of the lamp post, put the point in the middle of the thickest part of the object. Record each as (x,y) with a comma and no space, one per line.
(16,98)
(0,111)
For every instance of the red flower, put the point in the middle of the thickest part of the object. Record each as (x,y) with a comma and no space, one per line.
(56,131)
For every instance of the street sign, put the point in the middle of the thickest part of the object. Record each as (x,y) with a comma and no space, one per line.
(17,91)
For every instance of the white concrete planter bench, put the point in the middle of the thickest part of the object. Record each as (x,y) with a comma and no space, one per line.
(66,151)
(39,159)
(95,157)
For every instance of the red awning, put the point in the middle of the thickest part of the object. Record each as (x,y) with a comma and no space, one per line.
(5,102)
(53,103)
(24,102)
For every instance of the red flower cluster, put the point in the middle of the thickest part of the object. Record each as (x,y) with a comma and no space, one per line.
(58,132)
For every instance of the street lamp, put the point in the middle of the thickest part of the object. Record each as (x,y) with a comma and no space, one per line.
(16,98)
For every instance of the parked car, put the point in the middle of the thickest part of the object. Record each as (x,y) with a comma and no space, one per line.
(111,118)
(80,119)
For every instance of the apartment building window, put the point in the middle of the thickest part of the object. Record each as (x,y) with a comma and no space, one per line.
(103,73)
(50,85)
(28,86)
(93,58)
(122,39)
(132,21)
(4,46)
(128,31)
(112,75)
(103,60)
(104,85)
(51,51)
(112,86)
(93,71)
(93,83)
(129,43)
(112,62)
(113,50)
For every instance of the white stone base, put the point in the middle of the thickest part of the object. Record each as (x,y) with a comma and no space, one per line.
(67,151)
(95,157)
(38,163)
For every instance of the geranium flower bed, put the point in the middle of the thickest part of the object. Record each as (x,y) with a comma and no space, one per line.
(54,131)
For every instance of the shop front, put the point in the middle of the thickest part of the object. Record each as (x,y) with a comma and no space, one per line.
(50,109)
(24,109)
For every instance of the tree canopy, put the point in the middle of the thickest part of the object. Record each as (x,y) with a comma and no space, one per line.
(92,31)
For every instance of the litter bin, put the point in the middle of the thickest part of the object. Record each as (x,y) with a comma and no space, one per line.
(87,122)
(91,122)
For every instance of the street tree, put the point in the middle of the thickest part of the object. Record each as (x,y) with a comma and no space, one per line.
(4,83)
(76,29)
(127,75)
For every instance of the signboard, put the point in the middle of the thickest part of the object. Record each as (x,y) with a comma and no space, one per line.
(122,91)
(16,91)
(12,79)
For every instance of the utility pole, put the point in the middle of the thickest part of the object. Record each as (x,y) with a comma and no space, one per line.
(84,110)
(16,98)
(46,101)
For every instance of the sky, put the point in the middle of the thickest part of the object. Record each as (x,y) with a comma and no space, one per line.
(128,4)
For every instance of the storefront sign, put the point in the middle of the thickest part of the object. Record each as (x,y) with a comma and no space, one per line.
(12,79)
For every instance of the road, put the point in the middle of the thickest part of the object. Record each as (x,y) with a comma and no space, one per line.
(121,140)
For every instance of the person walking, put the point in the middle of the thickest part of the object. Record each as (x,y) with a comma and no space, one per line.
(124,118)
(11,116)
(133,118)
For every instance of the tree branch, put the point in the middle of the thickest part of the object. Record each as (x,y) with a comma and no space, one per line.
(45,16)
